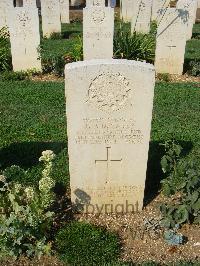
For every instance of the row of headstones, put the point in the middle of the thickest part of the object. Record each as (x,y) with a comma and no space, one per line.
(174,29)
(23,25)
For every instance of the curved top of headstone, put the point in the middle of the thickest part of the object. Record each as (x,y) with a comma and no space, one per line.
(94,62)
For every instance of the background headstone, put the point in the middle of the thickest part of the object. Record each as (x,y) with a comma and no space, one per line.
(126,10)
(30,3)
(50,17)
(191,7)
(24,38)
(109,132)
(95,3)
(5,6)
(156,6)
(141,16)
(171,41)
(64,11)
(98,30)
(198,11)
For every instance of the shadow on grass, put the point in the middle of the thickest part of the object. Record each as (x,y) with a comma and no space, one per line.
(154,170)
(26,154)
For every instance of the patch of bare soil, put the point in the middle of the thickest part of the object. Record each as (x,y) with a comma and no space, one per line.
(139,244)
(184,78)
(43,261)
(47,77)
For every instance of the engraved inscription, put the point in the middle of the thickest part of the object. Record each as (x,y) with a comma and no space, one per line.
(109,92)
(98,16)
(109,131)
(114,191)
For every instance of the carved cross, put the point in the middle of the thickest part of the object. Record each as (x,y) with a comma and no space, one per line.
(108,161)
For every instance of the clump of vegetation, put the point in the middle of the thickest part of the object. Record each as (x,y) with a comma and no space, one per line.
(5,52)
(25,215)
(194,68)
(163,77)
(77,52)
(182,181)
(18,75)
(135,46)
(84,244)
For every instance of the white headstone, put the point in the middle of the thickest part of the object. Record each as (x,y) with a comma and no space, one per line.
(95,3)
(156,6)
(64,11)
(98,30)
(29,3)
(126,10)
(50,17)
(191,7)
(198,11)
(171,41)
(141,16)
(5,6)
(24,38)
(109,132)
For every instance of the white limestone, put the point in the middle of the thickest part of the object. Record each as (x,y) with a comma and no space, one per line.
(109,111)
(5,6)
(24,38)
(64,11)
(50,10)
(29,3)
(126,10)
(98,30)
(191,7)
(156,6)
(95,3)
(171,41)
(198,11)
(141,16)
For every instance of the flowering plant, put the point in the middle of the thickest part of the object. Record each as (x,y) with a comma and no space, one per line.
(25,215)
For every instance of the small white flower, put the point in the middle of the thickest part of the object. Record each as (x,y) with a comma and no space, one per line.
(2,178)
(46,183)
(29,193)
(17,187)
(47,156)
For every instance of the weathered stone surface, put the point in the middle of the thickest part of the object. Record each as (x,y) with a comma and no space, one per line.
(29,3)
(191,7)
(95,3)
(5,6)
(141,16)
(50,17)
(198,11)
(109,111)
(24,38)
(126,10)
(156,6)
(98,30)
(171,41)
(64,11)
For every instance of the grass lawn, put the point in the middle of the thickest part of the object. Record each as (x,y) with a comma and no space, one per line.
(33,119)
